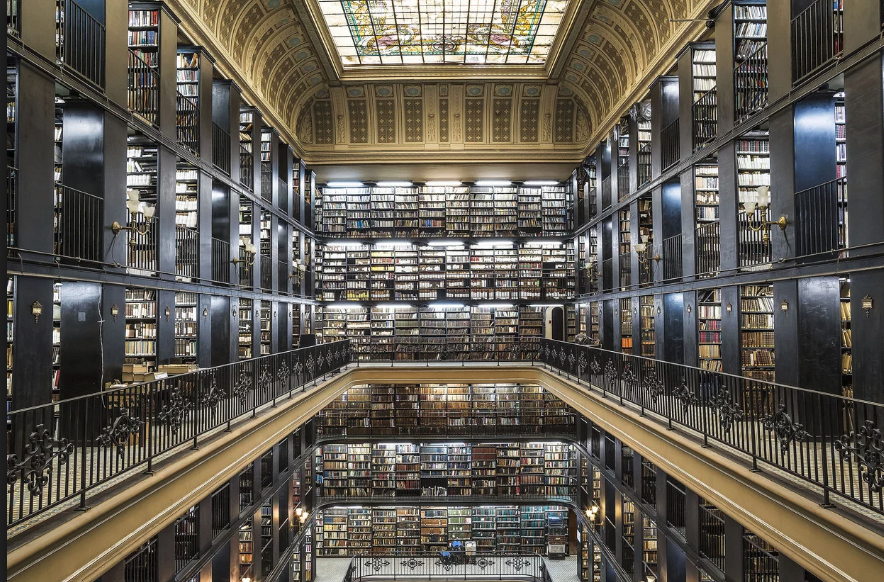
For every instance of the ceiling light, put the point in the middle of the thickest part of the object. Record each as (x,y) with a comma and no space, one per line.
(541,183)
(395,184)
(343,244)
(496,305)
(445,305)
(394,305)
(443,183)
(343,306)
(493,183)
(344,185)
(445,243)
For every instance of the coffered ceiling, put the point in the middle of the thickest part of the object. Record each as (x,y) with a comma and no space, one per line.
(601,58)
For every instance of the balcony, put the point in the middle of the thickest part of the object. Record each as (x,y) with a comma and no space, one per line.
(246,167)
(623,182)
(187,123)
(606,193)
(220,149)
(79,217)
(817,38)
(750,84)
(708,244)
(266,270)
(220,261)
(644,165)
(144,89)
(705,118)
(79,41)
(821,218)
(672,256)
(11,196)
(670,147)
(187,250)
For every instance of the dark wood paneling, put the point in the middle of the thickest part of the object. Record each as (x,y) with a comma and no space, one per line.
(728,206)
(659,328)
(819,334)
(114,176)
(80,354)
(814,141)
(115,17)
(32,350)
(168,74)
(867,329)
(688,214)
(673,315)
(786,336)
(724,61)
(223,339)
(686,92)
(671,208)
(690,329)
(204,331)
(730,330)
(657,220)
(784,165)
(862,23)
(37,19)
(165,326)
(166,248)
(779,34)
(608,324)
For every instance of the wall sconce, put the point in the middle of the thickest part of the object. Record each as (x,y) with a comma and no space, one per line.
(251,252)
(729,308)
(688,307)
(784,306)
(168,312)
(36,311)
(115,311)
(205,312)
(299,511)
(233,312)
(641,248)
(659,311)
(763,203)
(274,315)
(298,272)
(136,206)
(867,304)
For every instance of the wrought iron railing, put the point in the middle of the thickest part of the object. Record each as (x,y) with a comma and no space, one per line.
(456,349)
(371,495)
(669,142)
(187,123)
(13,18)
(454,566)
(623,181)
(676,503)
(711,547)
(750,83)
(79,41)
(820,438)
(266,273)
(704,113)
(11,199)
(817,37)
(266,181)
(220,261)
(144,89)
(57,453)
(644,164)
(646,266)
(625,270)
(187,252)
(220,149)
(606,193)
(672,258)
(708,244)
(141,243)
(821,218)
(282,276)
(282,197)
(450,424)
(755,248)
(77,224)
(246,167)
(246,266)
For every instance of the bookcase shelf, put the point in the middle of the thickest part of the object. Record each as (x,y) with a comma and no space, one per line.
(141,326)
(187,102)
(750,57)
(625,248)
(709,329)
(646,321)
(757,325)
(246,317)
(626,325)
(753,170)
(846,340)
(186,326)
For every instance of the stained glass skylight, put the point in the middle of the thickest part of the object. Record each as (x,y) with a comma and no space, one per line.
(397,32)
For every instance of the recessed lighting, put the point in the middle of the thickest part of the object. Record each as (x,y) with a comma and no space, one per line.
(541,183)
(395,184)
(344,185)
(445,243)
(493,183)
(443,183)
(445,305)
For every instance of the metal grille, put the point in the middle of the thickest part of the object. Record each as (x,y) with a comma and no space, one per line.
(141,565)
(760,560)
(187,537)
(187,122)
(247,487)
(705,118)
(11,199)
(711,525)
(708,243)
(78,220)
(267,469)
(79,41)
(220,510)
(606,193)
(644,165)
(246,168)
(144,89)
(675,505)
(821,218)
(669,138)
(282,195)
(187,248)
(246,266)
(817,37)
(755,246)
(141,243)
(13,19)
(623,181)
(625,271)
(266,181)
(750,83)
(266,273)
(220,261)
(220,149)
(672,248)
(649,483)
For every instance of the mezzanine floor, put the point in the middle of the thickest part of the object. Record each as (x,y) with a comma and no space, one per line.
(334,569)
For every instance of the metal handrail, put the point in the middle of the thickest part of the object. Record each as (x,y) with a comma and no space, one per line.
(498,566)
(80,41)
(817,38)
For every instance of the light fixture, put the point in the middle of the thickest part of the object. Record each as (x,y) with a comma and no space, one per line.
(762,203)
(443,183)
(115,311)
(729,307)
(299,511)
(395,184)
(251,252)
(205,312)
(167,312)
(36,310)
(688,307)
(784,306)
(245,579)
(493,183)
(641,248)
(541,183)
(867,305)
(344,185)
(445,243)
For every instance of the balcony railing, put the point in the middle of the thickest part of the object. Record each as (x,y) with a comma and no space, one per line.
(644,165)
(141,244)
(817,37)
(246,266)
(266,273)
(220,261)
(13,18)
(266,181)
(187,252)
(606,193)
(59,452)
(479,566)
(817,437)
(144,89)
(283,188)
(246,167)
(449,424)
(712,535)
(672,249)
(821,218)
(646,266)
(220,149)
(625,271)
(623,182)
(750,83)
(79,41)
(669,142)
(78,220)
(708,244)
(755,246)
(704,112)
(11,198)
(283,269)
(188,122)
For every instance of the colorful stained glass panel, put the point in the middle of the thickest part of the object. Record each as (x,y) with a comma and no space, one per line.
(395,32)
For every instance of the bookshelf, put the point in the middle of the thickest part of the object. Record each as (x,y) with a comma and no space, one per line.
(508,530)
(266,513)
(709,329)
(144,43)
(408,529)
(186,196)
(246,550)
(460,523)
(649,543)
(408,470)
(56,338)
(594,329)
(750,57)
(644,143)
(757,331)
(141,199)
(141,327)
(264,321)
(559,469)
(383,531)
(753,170)
(431,208)
(187,79)
(186,305)
(646,237)
(846,340)
(703,83)
(245,314)
(246,149)
(624,238)
(266,164)
(628,521)
(646,322)
(626,325)
(841,167)
(623,159)
(706,191)
(703,71)
(434,528)
(10,336)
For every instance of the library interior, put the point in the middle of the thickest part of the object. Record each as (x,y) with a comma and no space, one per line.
(437,290)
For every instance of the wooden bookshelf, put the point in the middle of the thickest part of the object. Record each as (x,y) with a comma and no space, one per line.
(144,43)
(750,57)
(264,312)
(186,306)
(706,191)
(10,336)
(709,329)
(141,327)
(703,71)
(624,249)
(246,550)
(246,318)
(188,98)
(626,325)
(56,338)
(141,202)
(846,340)
(757,330)
(646,323)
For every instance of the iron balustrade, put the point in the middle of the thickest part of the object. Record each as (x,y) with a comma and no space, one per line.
(266,181)
(644,164)
(628,556)
(755,248)
(607,274)
(477,566)
(187,252)
(646,266)
(266,273)
(670,149)
(760,560)
(675,506)
(220,261)
(623,181)
(186,537)
(246,268)
(58,452)
(649,483)
(817,37)
(142,565)
(422,349)
(187,122)
(606,193)
(220,149)
(143,94)
(625,271)
(141,243)
(79,41)
(821,218)
(707,241)
(282,197)
(246,167)
(78,220)
(751,84)
(13,19)
(417,497)
(282,277)
(822,439)
(11,199)
(711,546)
(704,113)
(672,249)
(440,424)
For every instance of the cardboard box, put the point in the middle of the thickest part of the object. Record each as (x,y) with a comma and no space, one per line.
(173,369)
(135,368)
